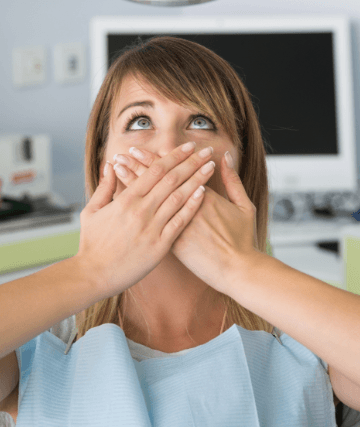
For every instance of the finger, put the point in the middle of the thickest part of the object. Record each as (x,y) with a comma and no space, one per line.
(139,164)
(135,163)
(143,156)
(131,166)
(125,175)
(130,163)
(103,194)
(235,188)
(148,181)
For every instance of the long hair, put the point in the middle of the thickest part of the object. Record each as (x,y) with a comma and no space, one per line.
(191,75)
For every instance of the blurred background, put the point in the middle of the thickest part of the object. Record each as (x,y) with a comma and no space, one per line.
(55,56)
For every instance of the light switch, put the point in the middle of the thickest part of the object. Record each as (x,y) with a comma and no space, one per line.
(29,66)
(69,63)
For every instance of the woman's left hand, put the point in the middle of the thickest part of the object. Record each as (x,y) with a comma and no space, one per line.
(221,234)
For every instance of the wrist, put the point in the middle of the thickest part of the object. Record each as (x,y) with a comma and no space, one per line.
(247,270)
(87,271)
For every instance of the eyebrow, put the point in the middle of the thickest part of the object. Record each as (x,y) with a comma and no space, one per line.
(147,104)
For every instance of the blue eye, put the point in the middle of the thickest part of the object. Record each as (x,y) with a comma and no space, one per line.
(133,118)
(136,116)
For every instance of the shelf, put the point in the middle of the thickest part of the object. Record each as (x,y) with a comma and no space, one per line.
(41,246)
(308,232)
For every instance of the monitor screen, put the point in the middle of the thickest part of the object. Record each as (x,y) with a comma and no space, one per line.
(298,71)
(290,77)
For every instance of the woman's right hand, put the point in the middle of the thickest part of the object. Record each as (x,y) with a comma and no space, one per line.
(123,240)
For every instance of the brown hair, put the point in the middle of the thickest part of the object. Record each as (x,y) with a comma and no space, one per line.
(191,75)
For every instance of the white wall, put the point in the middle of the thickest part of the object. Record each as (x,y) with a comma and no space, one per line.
(62,111)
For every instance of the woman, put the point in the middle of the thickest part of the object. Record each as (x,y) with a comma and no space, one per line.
(193,293)
(192,75)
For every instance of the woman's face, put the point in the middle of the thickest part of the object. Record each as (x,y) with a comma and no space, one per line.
(167,126)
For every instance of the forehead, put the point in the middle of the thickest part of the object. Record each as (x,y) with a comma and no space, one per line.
(137,89)
(130,88)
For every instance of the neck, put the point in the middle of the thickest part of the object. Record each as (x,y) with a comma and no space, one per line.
(174,302)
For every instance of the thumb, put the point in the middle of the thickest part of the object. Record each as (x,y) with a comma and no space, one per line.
(230,178)
(104,192)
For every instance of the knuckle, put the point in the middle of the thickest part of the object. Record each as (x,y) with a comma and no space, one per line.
(176,198)
(199,179)
(157,169)
(127,199)
(178,155)
(178,221)
(194,162)
(233,179)
(136,167)
(170,178)
(139,212)
(192,205)
(148,161)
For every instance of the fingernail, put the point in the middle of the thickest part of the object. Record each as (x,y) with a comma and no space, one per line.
(229,160)
(136,153)
(209,166)
(106,168)
(188,147)
(118,158)
(206,152)
(120,170)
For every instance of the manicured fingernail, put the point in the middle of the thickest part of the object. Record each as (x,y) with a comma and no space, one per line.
(106,168)
(207,167)
(199,192)
(118,158)
(137,153)
(229,160)
(120,170)
(206,152)
(188,147)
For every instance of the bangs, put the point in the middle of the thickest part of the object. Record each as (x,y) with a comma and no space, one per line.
(184,79)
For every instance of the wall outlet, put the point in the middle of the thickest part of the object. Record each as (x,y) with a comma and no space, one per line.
(29,66)
(69,63)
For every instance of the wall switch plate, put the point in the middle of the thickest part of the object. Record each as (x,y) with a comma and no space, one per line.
(29,66)
(69,63)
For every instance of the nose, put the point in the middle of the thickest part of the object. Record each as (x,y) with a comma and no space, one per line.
(168,142)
